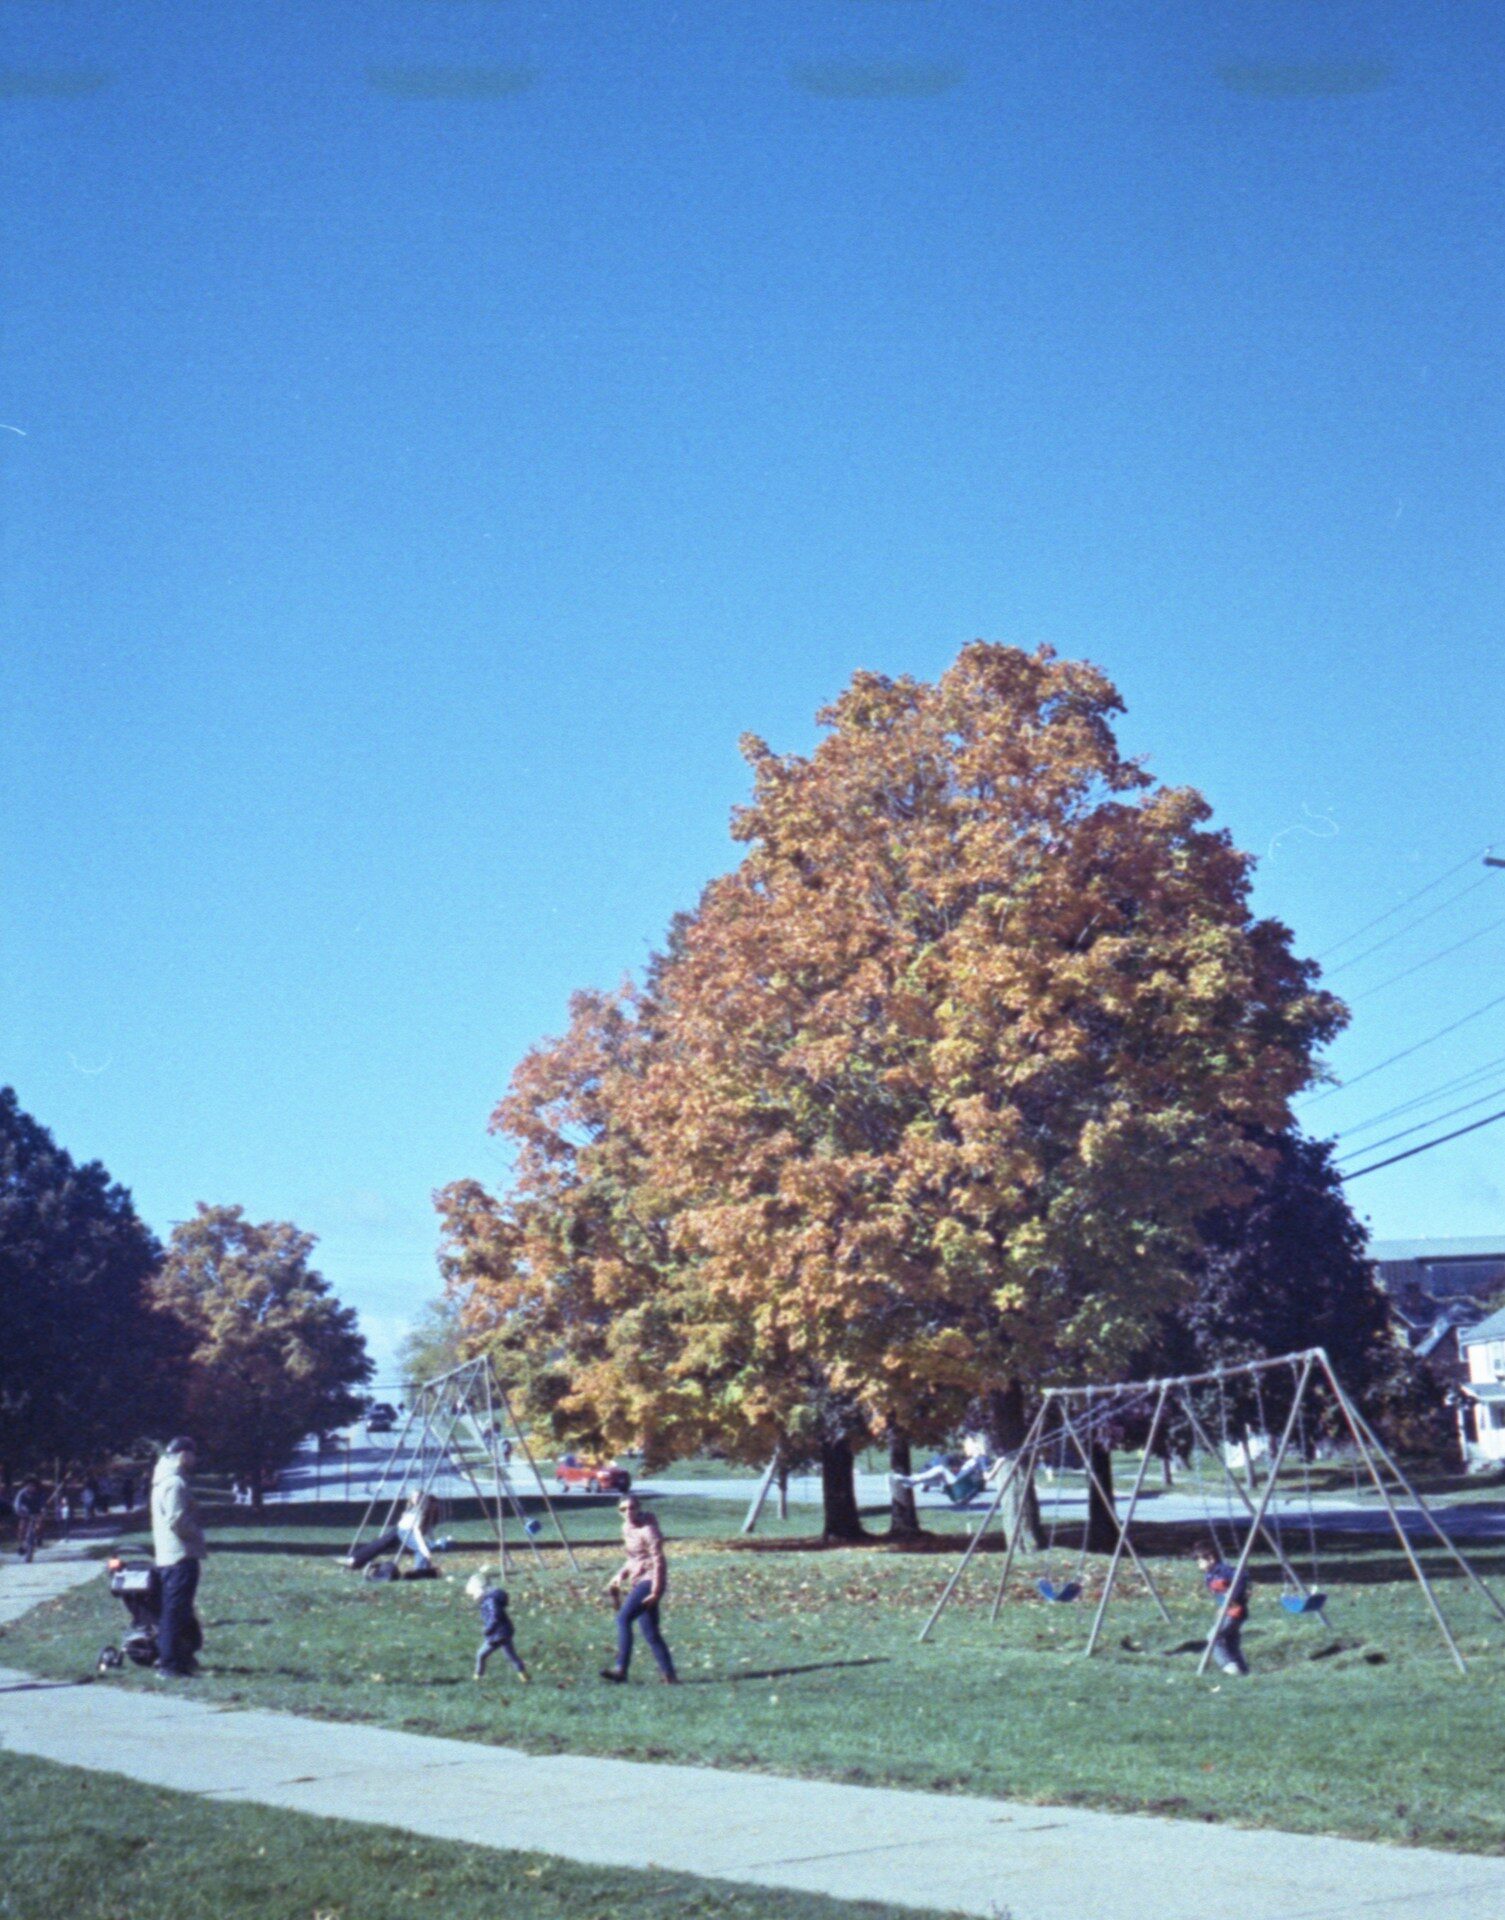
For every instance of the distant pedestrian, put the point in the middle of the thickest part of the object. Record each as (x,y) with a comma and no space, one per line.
(1219,1579)
(496,1626)
(638,1589)
(88,1498)
(128,1494)
(62,1506)
(31,1517)
(179,1547)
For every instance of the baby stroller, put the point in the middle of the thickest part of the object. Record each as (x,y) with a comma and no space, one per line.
(138,1586)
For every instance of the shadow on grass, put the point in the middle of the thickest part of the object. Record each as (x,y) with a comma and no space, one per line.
(280,1549)
(785,1673)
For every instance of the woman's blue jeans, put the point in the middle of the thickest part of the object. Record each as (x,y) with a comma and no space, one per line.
(637,1607)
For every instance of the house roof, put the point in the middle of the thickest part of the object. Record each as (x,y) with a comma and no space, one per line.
(1487,1247)
(1492,1328)
(1491,1392)
(1434,1336)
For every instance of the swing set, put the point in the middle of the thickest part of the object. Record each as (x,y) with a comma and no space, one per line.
(461,1424)
(1073,1424)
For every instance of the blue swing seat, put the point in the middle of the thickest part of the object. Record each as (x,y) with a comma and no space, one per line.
(1068,1590)
(533,1526)
(1303,1602)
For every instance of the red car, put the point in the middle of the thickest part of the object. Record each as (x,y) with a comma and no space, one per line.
(603,1477)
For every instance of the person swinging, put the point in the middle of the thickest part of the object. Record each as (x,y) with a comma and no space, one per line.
(960,1483)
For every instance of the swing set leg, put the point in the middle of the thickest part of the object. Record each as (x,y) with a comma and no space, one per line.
(1124,1525)
(1024,1453)
(1103,1495)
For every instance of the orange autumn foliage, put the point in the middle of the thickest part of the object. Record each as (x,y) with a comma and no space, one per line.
(927,1095)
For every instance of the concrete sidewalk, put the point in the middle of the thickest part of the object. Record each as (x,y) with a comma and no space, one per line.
(53,1572)
(931,1851)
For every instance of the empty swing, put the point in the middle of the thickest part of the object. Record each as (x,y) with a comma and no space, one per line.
(1293,1599)
(1209,1511)
(1061,1591)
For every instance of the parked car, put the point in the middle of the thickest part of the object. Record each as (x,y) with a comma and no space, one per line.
(381,1417)
(601,1476)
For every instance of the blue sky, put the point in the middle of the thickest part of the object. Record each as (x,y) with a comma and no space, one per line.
(445,426)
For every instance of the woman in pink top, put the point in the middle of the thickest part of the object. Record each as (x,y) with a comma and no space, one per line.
(637,1589)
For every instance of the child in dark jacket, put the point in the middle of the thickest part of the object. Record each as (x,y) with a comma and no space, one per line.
(1220,1578)
(496,1625)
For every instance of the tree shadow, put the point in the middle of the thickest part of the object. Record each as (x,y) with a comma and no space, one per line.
(280,1549)
(780,1673)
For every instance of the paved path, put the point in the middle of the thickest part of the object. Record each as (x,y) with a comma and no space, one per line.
(53,1572)
(359,1463)
(932,1851)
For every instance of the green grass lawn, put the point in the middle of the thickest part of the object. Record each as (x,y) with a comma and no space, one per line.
(805,1662)
(97,1847)
(700,1468)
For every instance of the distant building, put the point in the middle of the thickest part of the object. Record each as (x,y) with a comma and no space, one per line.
(1441,1293)
(1484,1389)
(1425,1278)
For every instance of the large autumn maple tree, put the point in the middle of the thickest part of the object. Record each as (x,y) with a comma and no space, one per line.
(922,1106)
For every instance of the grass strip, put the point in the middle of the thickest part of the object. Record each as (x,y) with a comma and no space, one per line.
(95,1846)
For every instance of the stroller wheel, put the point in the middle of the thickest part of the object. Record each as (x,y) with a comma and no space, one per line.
(109,1659)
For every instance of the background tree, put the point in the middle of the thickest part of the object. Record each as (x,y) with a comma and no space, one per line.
(1284,1269)
(434,1344)
(84,1363)
(928,1097)
(272,1355)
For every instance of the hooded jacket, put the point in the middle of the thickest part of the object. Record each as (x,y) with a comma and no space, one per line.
(176,1531)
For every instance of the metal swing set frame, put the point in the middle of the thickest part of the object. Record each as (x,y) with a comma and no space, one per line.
(1075,1413)
(462,1420)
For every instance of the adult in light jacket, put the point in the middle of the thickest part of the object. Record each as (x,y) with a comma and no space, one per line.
(179,1549)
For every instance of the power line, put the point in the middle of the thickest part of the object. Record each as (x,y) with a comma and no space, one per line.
(1421,1125)
(1401,905)
(1425,1147)
(1401,932)
(1440,1092)
(1430,960)
(1406,1052)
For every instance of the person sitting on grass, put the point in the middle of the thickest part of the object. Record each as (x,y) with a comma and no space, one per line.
(411,1531)
(1220,1578)
(496,1625)
(637,1589)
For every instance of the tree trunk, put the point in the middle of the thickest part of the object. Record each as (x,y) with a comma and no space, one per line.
(1007,1426)
(838,1487)
(1102,1517)
(903,1514)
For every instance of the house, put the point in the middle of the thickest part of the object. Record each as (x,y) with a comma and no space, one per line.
(1441,1293)
(1437,1290)
(1483,1391)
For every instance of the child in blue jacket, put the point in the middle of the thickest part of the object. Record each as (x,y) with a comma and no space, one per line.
(1220,1578)
(496,1626)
